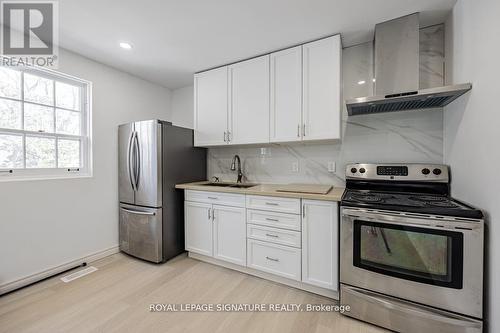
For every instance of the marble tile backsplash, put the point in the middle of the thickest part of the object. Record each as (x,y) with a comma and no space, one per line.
(400,137)
(410,136)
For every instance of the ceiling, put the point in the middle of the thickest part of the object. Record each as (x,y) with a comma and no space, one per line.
(174,39)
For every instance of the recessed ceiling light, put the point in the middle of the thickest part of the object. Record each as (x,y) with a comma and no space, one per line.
(361,82)
(125,45)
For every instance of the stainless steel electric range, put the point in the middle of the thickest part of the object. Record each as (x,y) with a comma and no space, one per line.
(411,256)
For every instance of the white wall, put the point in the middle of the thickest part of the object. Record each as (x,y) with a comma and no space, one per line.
(50,222)
(183,106)
(471,126)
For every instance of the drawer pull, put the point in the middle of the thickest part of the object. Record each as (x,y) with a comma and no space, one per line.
(272,204)
(213,198)
(271,235)
(272,259)
(273,220)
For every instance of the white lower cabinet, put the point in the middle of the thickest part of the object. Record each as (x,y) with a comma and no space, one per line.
(320,243)
(229,234)
(198,227)
(216,230)
(296,239)
(275,259)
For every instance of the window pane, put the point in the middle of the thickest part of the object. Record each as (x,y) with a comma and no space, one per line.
(10,83)
(67,96)
(11,151)
(67,122)
(38,118)
(40,152)
(69,153)
(10,114)
(38,89)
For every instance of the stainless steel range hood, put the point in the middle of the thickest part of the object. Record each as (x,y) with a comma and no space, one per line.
(396,73)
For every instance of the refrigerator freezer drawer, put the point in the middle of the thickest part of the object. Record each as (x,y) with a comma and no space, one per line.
(141,232)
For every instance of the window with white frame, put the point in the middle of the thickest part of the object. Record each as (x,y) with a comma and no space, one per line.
(44,124)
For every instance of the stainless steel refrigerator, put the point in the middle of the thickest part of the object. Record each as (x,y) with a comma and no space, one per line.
(153,157)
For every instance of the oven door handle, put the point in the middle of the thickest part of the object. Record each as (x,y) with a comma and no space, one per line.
(415,310)
(415,221)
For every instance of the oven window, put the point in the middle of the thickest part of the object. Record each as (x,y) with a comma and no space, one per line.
(418,254)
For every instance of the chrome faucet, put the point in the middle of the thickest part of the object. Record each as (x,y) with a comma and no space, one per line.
(233,167)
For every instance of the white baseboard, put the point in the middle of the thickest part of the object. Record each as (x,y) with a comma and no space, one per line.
(264,275)
(13,285)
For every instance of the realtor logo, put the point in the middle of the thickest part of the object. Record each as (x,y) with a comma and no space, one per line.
(29,33)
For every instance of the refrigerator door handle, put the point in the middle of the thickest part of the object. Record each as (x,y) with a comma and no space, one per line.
(137,161)
(130,162)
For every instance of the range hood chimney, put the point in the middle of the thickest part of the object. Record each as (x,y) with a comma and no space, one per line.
(396,73)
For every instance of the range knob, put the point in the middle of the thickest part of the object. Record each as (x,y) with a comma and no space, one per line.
(436,171)
(362,170)
(354,170)
(426,171)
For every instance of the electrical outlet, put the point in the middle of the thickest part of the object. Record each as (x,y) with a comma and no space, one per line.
(295,166)
(331,166)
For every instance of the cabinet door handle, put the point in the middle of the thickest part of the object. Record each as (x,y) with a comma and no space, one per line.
(304,130)
(213,198)
(271,235)
(272,259)
(213,214)
(272,204)
(298,130)
(209,217)
(304,211)
(228,136)
(273,220)
(225,136)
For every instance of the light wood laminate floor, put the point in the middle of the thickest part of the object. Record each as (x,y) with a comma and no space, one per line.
(117,297)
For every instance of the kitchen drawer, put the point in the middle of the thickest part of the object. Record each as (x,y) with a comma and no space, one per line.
(275,259)
(274,235)
(227,199)
(275,204)
(272,219)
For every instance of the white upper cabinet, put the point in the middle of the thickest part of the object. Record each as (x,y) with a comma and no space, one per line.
(290,95)
(211,107)
(321,89)
(286,95)
(249,101)
(320,243)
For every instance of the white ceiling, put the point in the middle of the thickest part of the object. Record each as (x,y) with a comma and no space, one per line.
(174,39)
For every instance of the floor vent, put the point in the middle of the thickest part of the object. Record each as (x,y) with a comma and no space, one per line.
(79,274)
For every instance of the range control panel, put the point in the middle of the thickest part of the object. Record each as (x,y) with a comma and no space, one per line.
(408,172)
(386,170)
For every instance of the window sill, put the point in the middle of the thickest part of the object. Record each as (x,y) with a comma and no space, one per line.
(9,178)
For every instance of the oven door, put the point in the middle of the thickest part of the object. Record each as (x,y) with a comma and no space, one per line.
(434,262)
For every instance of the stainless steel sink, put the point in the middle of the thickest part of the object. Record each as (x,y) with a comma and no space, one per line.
(217,184)
(233,185)
(243,185)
